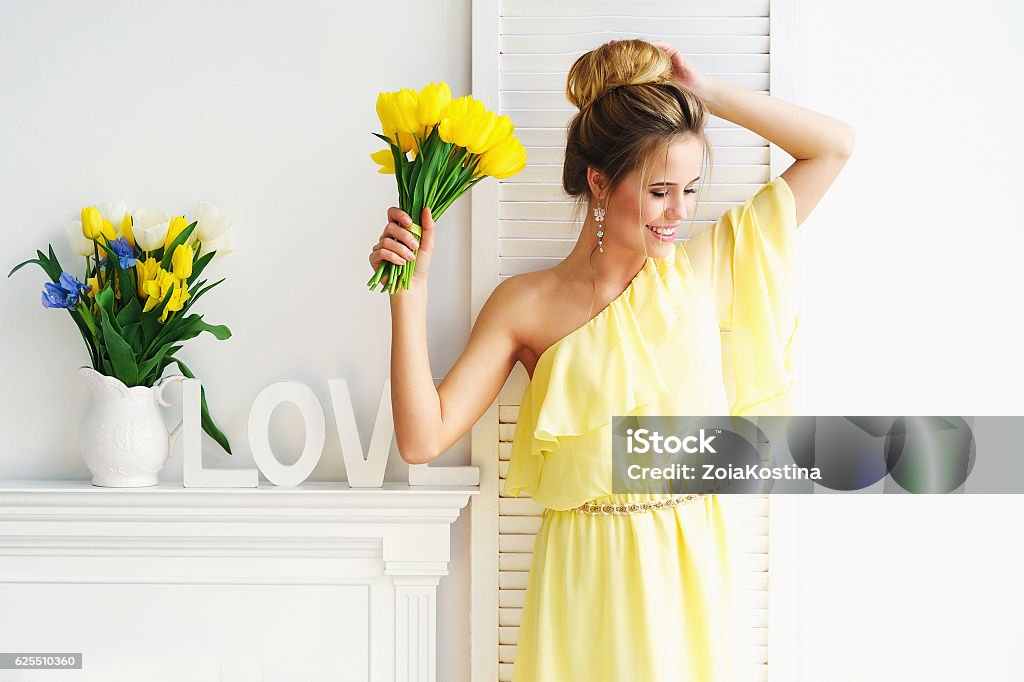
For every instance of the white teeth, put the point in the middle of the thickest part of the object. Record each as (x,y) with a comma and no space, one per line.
(662,231)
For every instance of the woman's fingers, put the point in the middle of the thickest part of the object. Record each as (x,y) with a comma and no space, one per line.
(397,215)
(392,244)
(383,253)
(401,235)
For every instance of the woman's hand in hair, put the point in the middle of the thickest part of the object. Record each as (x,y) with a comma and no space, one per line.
(683,71)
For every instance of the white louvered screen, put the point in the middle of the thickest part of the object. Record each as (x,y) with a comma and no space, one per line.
(538,41)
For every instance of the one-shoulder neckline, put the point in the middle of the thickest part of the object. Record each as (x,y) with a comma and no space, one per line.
(593,320)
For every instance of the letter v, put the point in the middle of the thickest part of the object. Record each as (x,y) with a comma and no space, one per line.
(363,472)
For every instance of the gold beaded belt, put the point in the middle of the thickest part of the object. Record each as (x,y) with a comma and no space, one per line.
(635,507)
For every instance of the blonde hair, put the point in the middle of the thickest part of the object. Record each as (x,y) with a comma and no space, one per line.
(630,107)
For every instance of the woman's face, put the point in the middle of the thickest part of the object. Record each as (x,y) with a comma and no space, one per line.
(665,202)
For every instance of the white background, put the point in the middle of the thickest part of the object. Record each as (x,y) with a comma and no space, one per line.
(910,271)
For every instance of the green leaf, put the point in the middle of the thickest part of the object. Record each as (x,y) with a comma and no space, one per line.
(151,325)
(132,334)
(132,311)
(146,368)
(54,269)
(198,267)
(19,266)
(122,357)
(86,336)
(208,424)
(105,298)
(165,261)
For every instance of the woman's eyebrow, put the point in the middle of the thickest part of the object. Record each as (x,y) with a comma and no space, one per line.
(654,184)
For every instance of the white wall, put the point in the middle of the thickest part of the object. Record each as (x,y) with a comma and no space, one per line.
(912,259)
(912,275)
(264,109)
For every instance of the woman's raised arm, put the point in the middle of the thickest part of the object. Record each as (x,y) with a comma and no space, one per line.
(428,421)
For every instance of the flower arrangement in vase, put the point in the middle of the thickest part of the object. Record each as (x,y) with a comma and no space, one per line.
(132,308)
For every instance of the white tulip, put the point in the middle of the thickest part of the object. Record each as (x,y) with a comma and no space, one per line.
(114,212)
(210,222)
(223,245)
(77,239)
(150,228)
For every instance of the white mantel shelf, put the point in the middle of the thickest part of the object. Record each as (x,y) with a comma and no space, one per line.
(394,541)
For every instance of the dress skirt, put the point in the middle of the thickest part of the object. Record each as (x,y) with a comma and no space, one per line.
(644,597)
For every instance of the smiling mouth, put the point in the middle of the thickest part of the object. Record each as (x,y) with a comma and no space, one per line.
(663,231)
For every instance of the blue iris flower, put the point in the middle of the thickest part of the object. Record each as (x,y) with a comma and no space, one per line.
(64,294)
(124,252)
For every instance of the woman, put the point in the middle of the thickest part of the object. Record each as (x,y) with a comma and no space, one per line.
(627,586)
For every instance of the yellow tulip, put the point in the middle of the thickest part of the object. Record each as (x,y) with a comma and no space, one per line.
(467,123)
(407,143)
(108,230)
(126,229)
(158,287)
(503,127)
(503,160)
(479,131)
(178,223)
(92,222)
(181,261)
(385,113)
(406,111)
(177,300)
(431,104)
(144,272)
(386,160)
(455,112)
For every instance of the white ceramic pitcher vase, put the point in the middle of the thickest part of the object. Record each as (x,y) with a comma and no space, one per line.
(123,437)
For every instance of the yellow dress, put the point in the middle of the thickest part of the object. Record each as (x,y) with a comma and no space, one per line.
(707,330)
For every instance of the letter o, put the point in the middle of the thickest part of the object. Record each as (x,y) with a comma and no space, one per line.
(259,426)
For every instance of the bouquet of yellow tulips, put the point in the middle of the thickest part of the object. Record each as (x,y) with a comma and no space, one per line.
(140,275)
(454,144)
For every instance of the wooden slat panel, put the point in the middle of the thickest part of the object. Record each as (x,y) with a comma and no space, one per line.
(509,617)
(515,543)
(508,414)
(506,432)
(656,10)
(705,63)
(519,524)
(513,580)
(636,26)
(578,43)
(514,562)
(555,81)
(512,598)
(519,507)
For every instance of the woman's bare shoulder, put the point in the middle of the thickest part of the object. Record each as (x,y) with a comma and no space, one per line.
(533,307)
(521,296)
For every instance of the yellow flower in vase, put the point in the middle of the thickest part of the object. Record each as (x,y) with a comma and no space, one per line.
(145,272)
(158,287)
(181,261)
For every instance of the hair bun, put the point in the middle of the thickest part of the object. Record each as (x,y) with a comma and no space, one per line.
(613,65)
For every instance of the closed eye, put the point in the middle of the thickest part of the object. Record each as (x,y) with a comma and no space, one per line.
(664,194)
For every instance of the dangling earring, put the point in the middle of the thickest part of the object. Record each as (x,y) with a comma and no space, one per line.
(599,217)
